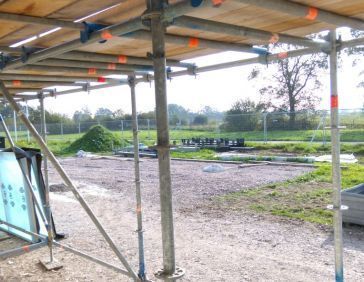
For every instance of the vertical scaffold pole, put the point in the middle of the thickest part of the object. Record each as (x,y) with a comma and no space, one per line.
(265,137)
(154,15)
(46,180)
(141,272)
(15,127)
(27,113)
(335,151)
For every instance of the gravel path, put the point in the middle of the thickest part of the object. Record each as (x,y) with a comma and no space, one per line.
(211,245)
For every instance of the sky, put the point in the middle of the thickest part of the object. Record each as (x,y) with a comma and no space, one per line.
(217,89)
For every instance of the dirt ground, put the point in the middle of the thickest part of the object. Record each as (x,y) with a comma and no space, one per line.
(211,245)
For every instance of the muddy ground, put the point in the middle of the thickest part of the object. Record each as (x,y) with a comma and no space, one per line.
(212,245)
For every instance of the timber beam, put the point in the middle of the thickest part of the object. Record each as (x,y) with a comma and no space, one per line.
(308,12)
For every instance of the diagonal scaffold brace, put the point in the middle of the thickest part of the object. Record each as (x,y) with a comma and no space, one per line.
(130,272)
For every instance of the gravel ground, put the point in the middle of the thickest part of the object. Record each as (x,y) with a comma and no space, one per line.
(211,245)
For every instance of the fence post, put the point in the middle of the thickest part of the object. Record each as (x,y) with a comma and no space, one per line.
(15,127)
(122,129)
(265,127)
(148,122)
(62,129)
(27,115)
(324,128)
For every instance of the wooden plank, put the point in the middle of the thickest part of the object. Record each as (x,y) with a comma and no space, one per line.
(40,8)
(82,8)
(229,12)
(74,10)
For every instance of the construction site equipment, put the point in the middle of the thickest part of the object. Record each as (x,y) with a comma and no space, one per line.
(220,144)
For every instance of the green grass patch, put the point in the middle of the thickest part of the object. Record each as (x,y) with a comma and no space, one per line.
(204,154)
(304,198)
(307,148)
(58,147)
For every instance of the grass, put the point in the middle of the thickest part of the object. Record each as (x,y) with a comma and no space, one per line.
(59,148)
(347,135)
(304,198)
(307,148)
(276,149)
(204,154)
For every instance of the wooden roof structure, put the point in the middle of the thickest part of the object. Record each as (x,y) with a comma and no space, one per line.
(210,27)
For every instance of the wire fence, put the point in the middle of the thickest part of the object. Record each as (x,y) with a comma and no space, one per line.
(304,126)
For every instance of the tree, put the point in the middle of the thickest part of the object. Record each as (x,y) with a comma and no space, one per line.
(243,115)
(292,83)
(6,111)
(211,113)
(103,114)
(147,115)
(83,115)
(357,52)
(200,119)
(118,114)
(177,114)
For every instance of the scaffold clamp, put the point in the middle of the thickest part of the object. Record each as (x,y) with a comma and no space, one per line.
(263,59)
(192,70)
(168,73)
(4,59)
(86,87)
(90,28)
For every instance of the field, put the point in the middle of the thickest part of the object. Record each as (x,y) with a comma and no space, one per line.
(285,141)
(347,135)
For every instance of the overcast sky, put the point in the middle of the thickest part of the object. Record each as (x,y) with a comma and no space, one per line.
(217,89)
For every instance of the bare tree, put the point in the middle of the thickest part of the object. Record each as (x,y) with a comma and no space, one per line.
(357,53)
(291,84)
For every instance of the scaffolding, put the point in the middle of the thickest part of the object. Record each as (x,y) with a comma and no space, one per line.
(28,72)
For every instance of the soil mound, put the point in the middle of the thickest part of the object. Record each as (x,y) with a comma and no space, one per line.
(97,139)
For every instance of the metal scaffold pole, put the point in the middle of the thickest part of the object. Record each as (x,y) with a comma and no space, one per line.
(15,127)
(46,181)
(141,272)
(265,133)
(155,14)
(27,113)
(336,171)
